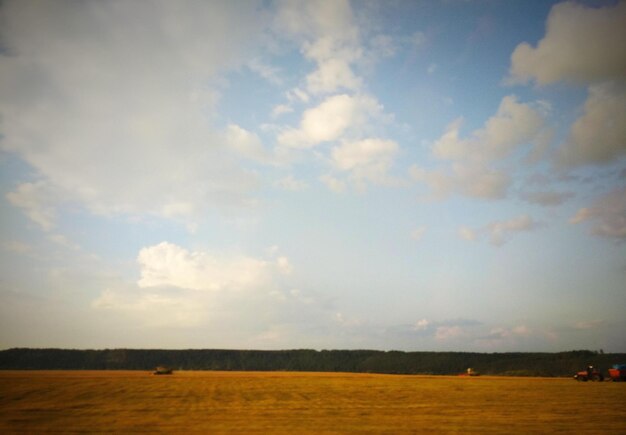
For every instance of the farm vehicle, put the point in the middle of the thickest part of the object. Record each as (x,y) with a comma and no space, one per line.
(618,373)
(590,374)
(162,371)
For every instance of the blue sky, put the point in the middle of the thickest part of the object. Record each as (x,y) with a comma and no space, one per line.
(390,175)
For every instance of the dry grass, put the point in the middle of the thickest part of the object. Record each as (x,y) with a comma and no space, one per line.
(277,402)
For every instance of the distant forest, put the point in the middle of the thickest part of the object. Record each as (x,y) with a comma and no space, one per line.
(360,361)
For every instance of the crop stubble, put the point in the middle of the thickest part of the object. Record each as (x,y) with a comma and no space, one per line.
(295,402)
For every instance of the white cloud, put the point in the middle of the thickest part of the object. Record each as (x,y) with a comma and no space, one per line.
(184,288)
(607,214)
(365,160)
(168,265)
(331,75)
(499,232)
(582,44)
(335,117)
(514,124)
(62,240)
(268,72)
(421,324)
(330,39)
(467,234)
(333,183)
(247,144)
(599,134)
(292,184)
(114,119)
(281,109)
(472,180)
(334,58)
(332,18)
(298,95)
(473,169)
(37,200)
(444,333)
(283,265)
(232,296)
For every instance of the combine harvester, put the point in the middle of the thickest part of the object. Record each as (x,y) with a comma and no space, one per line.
(618,373)
(160,370)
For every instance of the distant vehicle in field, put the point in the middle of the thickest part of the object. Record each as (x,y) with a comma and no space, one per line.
(618,373)
(470,372)
(160,370)
(591,374)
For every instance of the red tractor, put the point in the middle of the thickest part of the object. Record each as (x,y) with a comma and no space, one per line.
(590,374)
(618,373)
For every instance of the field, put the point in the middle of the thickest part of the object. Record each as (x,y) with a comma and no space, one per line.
(287,402)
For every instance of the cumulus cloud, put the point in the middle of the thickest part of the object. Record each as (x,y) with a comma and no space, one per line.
(169,265)
(113,118)
(367,160)
(473,160)
(607,215)
(467,179)
(582,45)
(513,125)
(184,288)
(332,74)
(245,143)
(599,134)
(499,232)
(335,117)
(330,38)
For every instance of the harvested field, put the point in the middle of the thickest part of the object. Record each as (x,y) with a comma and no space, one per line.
(288,402)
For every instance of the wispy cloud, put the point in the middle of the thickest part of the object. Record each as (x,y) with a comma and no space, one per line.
(500,232)
(607,215)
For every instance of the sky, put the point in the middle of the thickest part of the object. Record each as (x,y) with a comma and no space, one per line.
(411,175)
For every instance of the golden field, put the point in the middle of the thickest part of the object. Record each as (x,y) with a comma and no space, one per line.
(294,403)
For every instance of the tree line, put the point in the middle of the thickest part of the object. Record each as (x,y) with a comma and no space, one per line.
(360,361)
